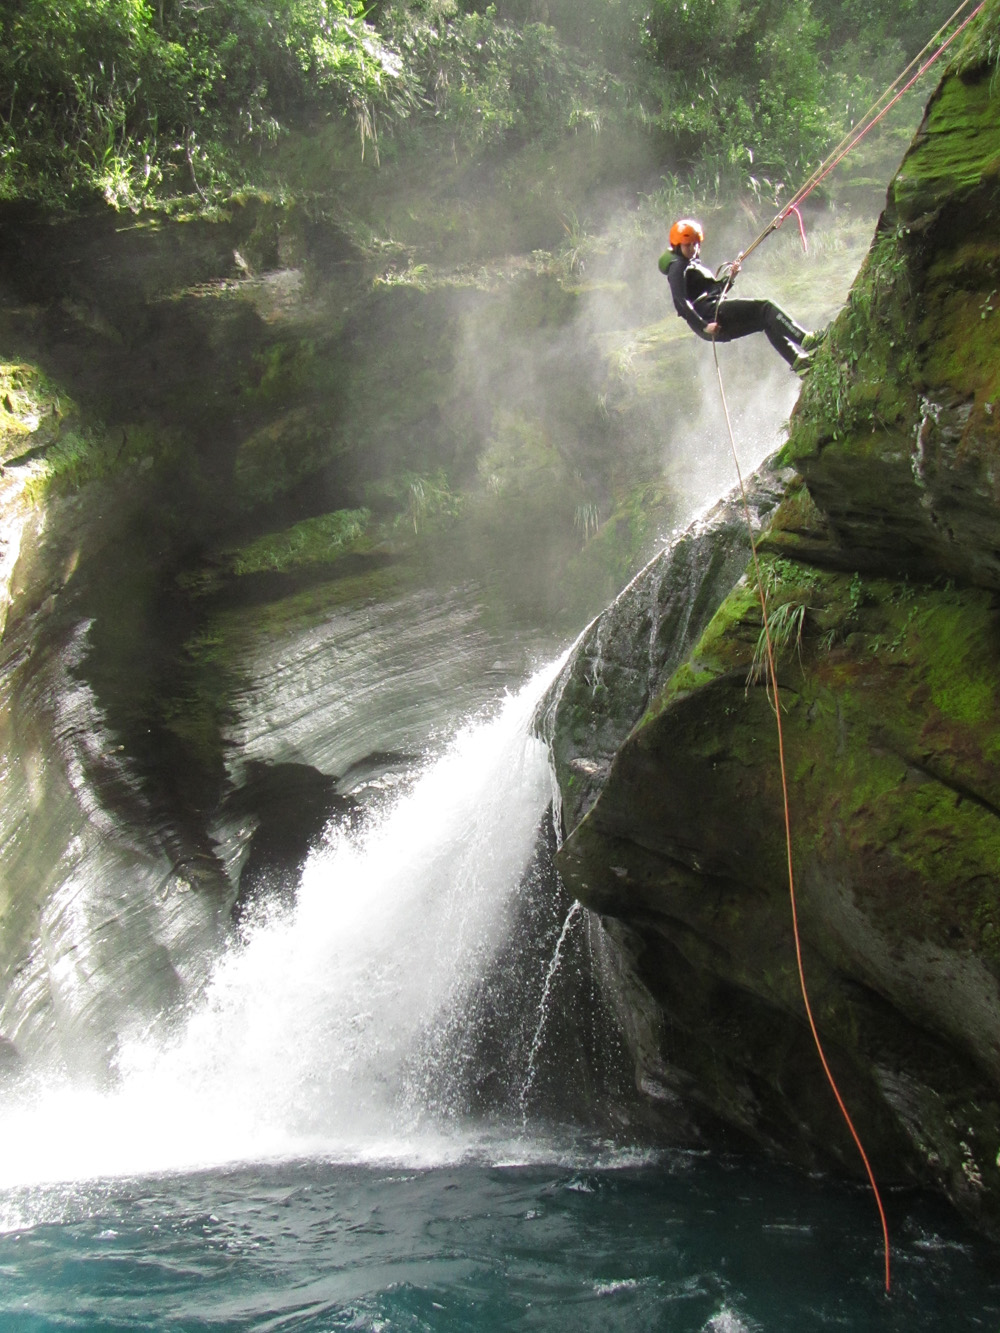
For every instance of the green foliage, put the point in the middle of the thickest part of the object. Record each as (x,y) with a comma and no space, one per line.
(746,91)
(757,91)
(428,497)
(607,29)
(313,541)
(786,588)
(412,499)
(882,38)
(491,83)
(115,98)
(135,99)
(981,45)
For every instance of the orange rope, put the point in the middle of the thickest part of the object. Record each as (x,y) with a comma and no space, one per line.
(871,118)
(773,675)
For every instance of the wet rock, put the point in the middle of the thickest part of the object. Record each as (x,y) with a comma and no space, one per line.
(881,565)
(291,805)
(629,652)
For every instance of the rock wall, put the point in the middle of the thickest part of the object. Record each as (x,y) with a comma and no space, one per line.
(279,497)
(881,568)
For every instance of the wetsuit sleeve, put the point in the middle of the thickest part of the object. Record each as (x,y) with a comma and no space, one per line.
(676,275)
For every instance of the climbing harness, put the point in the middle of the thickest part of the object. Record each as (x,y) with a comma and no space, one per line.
(726,275)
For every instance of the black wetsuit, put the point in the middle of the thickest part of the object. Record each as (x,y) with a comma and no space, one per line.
(697,291)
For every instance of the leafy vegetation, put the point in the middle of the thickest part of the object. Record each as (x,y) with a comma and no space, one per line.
(122,98)
(312,541)
(493,83)
(132,100)
(762,89)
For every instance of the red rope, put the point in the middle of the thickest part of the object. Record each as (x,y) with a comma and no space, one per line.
(793,207)
(867,123)
(847,145)
(773,675)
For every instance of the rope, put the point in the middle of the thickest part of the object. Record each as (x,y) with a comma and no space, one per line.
(773,676)
(875,113)
(868,121)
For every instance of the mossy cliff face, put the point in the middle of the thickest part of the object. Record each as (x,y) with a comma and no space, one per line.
(881,567)
(898,429)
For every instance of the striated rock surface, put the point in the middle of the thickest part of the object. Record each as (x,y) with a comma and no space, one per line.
(881,567)
(626,655)
(287,488)
(218,631)
(281,500)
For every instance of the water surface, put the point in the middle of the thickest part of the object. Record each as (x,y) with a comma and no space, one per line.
(680,1244)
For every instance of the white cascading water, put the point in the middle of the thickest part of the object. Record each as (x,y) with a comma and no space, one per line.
(314,1037)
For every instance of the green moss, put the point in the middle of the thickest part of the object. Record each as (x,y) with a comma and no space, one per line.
(42,431)
(896,430)
(198,706)
(956,636)
(892,738)
(725,646)
(886,678)
(963,334)
(310,606)
(980,45)
(685,680)
(797,516)
(32,409)
(283,372)
(314,541)
(281,455)
(958,151)
(860,385)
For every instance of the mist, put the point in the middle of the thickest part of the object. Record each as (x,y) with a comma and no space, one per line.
(602,423)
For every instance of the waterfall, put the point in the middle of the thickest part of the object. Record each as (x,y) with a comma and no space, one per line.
(543,1008)
(320,1033)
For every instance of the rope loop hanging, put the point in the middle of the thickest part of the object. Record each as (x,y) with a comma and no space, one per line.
(875,113)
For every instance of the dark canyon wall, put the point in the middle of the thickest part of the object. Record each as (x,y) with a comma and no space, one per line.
(881,567)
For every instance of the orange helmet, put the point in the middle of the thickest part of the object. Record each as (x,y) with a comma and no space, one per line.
(686,232)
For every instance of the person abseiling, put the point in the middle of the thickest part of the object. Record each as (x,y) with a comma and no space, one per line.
(697,292)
